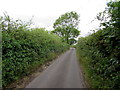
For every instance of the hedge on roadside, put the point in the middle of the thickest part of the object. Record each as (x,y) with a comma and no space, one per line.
(100,59)
(25,49)
(99,53)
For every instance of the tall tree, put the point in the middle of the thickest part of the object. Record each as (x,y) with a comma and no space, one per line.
(66,26)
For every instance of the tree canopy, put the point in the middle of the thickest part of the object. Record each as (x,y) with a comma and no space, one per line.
(66,26)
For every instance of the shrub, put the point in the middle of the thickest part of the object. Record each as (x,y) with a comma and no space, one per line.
(25,49)
(100,52)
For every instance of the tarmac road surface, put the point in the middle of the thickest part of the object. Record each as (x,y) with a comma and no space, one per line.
(64,72)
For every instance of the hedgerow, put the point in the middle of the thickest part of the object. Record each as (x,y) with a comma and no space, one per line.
(25,49)
(99,53)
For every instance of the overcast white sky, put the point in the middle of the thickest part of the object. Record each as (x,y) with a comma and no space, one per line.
(45,12)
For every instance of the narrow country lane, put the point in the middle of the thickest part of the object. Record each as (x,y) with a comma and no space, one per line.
(62,73)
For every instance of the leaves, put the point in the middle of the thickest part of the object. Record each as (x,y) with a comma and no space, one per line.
(66,26)
(25,49)
(100,52)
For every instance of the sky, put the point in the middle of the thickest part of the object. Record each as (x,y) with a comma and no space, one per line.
(44,12)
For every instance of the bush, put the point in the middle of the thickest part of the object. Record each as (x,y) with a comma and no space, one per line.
(100,52)
(25,49)
(101,60)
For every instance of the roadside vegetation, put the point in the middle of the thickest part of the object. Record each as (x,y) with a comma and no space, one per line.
(99,53)
(24,49)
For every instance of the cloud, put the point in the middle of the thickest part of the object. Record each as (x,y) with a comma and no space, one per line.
(45,12)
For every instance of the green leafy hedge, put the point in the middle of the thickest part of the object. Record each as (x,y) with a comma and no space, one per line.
(99,53)
(25,49)
(101,59)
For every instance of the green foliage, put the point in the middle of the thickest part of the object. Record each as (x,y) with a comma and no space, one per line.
(73,46)
(25,49)
(66,26)
(100,52)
